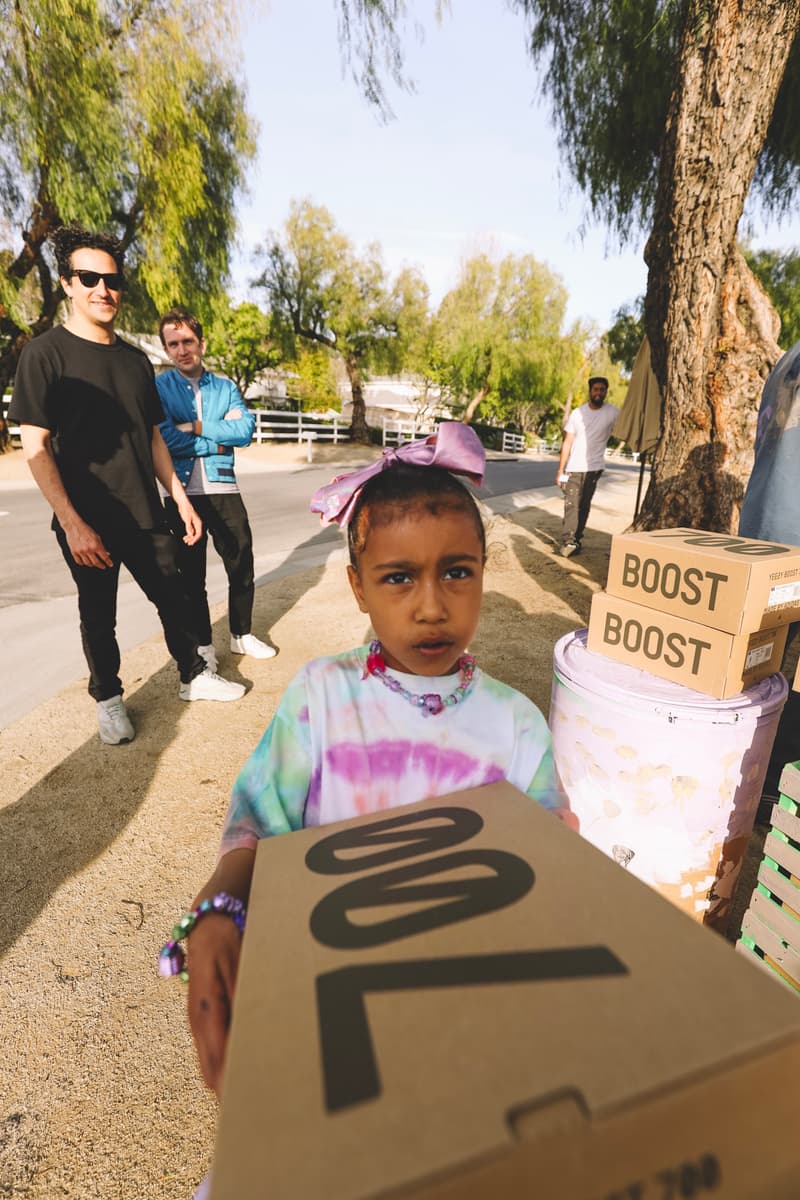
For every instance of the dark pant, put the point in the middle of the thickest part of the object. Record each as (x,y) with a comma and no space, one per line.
(578,494)
(150,556)
(224,516)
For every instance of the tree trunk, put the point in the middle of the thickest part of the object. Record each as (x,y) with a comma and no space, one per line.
(359,430)
(43,220)
(711,334)
(474,405)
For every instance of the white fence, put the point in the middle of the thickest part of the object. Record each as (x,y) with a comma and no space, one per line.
(622,452)
(275,425)
(280,425)
(396,432)
(513,442)
(12,429)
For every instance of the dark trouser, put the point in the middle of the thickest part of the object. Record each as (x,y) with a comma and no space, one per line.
(578,494)
(224,516)
(150,556)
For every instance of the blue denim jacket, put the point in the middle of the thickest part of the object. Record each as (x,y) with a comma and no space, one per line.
(219,397)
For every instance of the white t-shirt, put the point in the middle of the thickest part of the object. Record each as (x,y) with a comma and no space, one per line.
(198,483)
(341,745)
(592,428)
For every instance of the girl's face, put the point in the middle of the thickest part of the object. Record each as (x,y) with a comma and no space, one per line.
(420,579)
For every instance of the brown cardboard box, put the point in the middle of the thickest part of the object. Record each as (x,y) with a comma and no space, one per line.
(464,999)
(708,660)
(731,583)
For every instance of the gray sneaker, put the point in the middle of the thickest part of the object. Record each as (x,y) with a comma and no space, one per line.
(568,549)
(210,686)
(113,722)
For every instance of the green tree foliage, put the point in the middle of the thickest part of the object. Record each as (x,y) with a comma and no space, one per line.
(320,289)
(240,342)
(610,69)
(668,112)
(497,350)
(626,333)
(778,272)
(118,114)
(313,378)
(608,74)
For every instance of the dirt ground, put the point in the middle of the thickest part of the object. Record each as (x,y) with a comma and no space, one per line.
(103,847)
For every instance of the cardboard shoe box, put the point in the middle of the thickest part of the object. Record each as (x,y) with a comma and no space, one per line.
(726,582)
(708,660)
(464,999)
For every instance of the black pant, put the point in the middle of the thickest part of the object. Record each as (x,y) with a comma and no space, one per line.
(150,556)
(224,516)
(578,494)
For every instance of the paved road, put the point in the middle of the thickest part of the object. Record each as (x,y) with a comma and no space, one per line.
(277,501)
(38,616)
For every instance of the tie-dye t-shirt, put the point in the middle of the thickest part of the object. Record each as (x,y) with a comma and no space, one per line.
(341,745)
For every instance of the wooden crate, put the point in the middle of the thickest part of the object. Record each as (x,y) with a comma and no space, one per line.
(771,926)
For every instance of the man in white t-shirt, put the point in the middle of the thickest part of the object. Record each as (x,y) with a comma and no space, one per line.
(580,465)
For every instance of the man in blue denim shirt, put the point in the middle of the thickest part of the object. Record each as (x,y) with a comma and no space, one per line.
(206,418)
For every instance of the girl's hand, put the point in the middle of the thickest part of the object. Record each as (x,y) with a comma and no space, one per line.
(213,959)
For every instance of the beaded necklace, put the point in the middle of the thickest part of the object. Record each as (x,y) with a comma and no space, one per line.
(431,703)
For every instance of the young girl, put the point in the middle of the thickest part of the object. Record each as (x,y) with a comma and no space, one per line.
(409,717)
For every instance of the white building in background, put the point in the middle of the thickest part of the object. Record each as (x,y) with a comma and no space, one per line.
(397,397)
(151,344)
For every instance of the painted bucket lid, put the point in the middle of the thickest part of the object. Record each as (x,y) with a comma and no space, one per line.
(635,690)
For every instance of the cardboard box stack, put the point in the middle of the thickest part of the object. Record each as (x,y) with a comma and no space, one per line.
(464,1000)
(771,925)
(709,611)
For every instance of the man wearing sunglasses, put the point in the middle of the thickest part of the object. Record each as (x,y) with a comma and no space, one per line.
(88,411)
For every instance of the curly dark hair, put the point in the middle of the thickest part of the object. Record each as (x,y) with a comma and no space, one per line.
(402,489)
(68,238)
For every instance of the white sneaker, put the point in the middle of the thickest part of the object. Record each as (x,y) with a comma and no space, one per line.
(113,722)
(209,656)
(210,686)
(248,643)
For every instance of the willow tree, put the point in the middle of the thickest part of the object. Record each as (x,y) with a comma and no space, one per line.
(676,109)
(499,347)
(121,115)
(322,290)
(667,112)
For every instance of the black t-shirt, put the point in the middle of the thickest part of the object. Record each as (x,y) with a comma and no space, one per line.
(100,403)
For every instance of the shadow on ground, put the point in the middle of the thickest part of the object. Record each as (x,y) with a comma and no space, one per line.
(83,804)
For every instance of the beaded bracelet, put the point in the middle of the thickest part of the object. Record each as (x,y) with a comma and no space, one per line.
(171,957)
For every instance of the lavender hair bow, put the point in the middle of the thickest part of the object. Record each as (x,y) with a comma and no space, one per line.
(454,447)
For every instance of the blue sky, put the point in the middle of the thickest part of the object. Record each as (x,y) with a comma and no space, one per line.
(469,163)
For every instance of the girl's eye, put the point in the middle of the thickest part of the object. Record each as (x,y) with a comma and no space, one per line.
(397,577)
(458,573)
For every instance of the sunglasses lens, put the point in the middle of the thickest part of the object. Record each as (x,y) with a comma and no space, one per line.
(90,279)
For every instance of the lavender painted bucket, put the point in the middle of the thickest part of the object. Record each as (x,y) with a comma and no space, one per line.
(662,778)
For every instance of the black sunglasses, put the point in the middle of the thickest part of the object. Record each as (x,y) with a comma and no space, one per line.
(90,279)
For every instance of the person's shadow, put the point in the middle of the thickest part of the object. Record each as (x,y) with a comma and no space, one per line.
(82,805)
(570,581)
(702,495)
